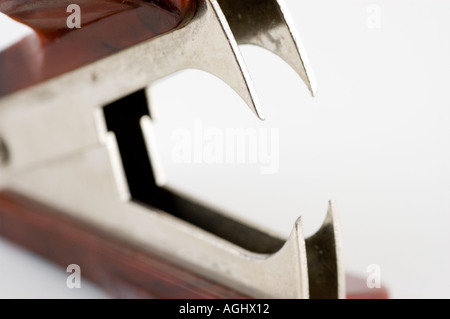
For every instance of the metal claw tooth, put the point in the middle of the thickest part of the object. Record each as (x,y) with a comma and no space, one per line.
(210,43)
(325,265)
(207,43)
(267,23)
(240,79)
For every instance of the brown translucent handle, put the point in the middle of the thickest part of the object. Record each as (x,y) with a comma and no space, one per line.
(122,269)
(107,26)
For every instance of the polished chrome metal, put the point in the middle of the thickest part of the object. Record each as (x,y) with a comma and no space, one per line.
(325,265)
(84,185)
(267,23)
(62,154)
(206,43)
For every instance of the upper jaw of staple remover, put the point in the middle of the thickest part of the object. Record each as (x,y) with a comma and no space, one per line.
(221,25)
(268,24)
(264,23)
(209,42)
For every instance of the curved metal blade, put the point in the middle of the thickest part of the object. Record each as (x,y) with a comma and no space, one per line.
(215,50)
(207,43)
(325,265)
(267,23)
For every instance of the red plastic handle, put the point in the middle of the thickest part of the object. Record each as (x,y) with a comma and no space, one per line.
(107,26)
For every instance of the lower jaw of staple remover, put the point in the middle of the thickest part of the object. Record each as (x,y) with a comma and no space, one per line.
(181,230)
(295,268)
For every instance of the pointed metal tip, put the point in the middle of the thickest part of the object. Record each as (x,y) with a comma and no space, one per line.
(312,87)
(309,77)
(331,214)
(295,53)
(223,56)
(297,230)
(244,87)
(268,24)
(299,222)
(325,265)
(259,113)
(303,69)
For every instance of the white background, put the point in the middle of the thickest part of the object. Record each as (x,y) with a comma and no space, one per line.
(375,140)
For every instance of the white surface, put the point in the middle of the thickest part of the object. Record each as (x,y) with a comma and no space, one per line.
(25,275)
(10,31)
(376,140)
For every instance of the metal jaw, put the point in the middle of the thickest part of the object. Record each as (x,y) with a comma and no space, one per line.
(59,149)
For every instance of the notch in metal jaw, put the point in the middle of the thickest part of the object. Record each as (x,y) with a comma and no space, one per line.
(94,161)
